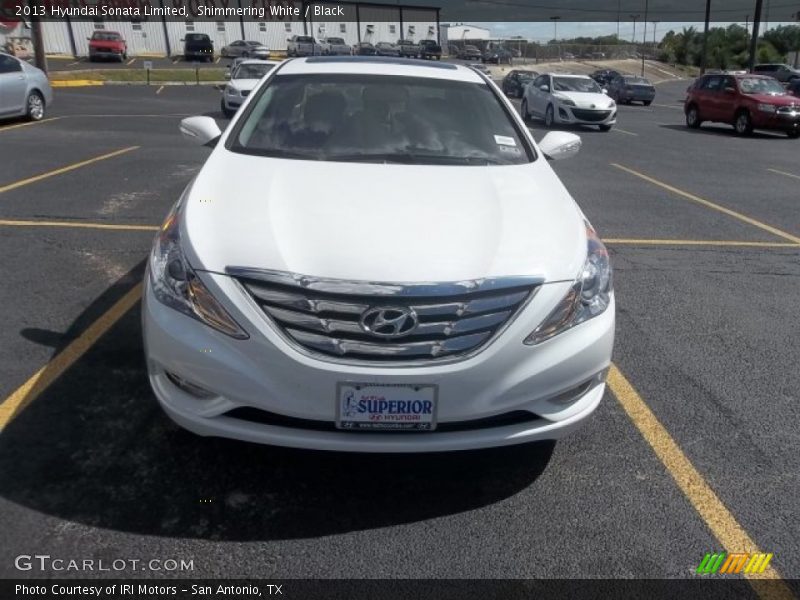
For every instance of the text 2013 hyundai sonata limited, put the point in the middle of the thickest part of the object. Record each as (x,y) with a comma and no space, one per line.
(377,257)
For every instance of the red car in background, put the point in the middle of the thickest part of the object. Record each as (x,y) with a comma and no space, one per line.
(745,101)
(107,44)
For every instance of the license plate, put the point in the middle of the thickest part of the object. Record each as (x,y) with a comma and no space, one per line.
(393,407)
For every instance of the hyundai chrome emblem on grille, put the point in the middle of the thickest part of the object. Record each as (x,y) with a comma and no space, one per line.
(389,321)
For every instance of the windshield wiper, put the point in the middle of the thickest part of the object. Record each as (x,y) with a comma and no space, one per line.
(408,158)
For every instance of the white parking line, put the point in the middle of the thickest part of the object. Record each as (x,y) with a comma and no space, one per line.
(158,91)
(618,130)
(131,61)
(784,173)
(669,106)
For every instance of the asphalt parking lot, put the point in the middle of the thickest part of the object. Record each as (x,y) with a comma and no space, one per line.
(693,450)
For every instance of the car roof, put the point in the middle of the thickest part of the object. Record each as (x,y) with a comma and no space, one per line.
(379,65)
(571,75)
(256,61)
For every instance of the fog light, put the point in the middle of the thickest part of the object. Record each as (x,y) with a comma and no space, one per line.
(574,394)
(189,387)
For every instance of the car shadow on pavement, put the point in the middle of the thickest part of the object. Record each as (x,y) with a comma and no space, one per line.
(724,131)
(94,448)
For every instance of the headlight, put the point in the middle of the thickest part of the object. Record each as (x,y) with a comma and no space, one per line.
(563,100)
(177,285)
(767,108)
(588,297)
(231,91)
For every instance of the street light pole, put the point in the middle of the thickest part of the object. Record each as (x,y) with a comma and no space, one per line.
(633,37)
(644,35)
(754,39)
(555,34)
(703,56)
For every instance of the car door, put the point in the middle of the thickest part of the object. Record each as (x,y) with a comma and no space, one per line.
(711,98)
(13,85)
(538,95)
(726,100)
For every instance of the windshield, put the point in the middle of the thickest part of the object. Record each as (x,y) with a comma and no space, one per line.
(575,84)
(380,118)
(335,41)
(251,71)
(196,37)
(527,76)
(305,39)
(758,85)
(105,36)
(637,80)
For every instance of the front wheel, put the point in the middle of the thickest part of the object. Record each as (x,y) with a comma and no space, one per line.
(225,110)
(524,110)
(35,107)
(549,116)
(743,124)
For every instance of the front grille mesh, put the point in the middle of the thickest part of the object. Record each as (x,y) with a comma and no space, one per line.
(324,317)
(590,115)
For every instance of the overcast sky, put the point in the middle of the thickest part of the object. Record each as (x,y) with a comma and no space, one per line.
(543,32)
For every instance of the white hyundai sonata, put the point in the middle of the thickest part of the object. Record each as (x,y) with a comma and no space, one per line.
(377,257)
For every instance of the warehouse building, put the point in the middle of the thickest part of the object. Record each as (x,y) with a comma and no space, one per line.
(158,36)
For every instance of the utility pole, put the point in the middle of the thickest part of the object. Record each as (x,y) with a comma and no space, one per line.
(754,39)
(644,35)
(633,37)
(619,11)
(40,58)
(703,56)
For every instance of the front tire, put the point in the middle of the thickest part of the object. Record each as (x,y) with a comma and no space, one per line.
(34,106)
(743,124)
(549,116)
(693,120)
(526,116)
(225,110)
(648,102)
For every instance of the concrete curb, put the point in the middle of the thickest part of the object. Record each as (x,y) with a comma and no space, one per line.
(76,83)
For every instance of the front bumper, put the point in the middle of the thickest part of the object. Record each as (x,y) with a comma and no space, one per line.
(787,121)
(560,382)
(573,115)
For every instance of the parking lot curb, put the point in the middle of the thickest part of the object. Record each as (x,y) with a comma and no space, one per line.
(76,83)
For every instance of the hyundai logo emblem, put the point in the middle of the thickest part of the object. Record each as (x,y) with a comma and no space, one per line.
(389,321)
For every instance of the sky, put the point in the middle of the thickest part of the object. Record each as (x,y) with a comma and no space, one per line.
(543,32)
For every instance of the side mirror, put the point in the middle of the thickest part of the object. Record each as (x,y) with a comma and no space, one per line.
(88,39)
(605,91)
(200,130)
(558,145)
(544,88)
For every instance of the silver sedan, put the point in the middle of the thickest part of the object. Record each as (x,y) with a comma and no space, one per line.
(24,89)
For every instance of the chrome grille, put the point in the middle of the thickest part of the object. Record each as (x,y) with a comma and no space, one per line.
(325,316)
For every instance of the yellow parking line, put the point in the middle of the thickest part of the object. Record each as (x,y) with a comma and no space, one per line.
(131,61)
(656,242)
(618,130)
(78,165)
(77,225)
(707,203)
(714,513)
(216,61)
(158,91)
(669,106)
(44,377)
(9,127)
(784,173)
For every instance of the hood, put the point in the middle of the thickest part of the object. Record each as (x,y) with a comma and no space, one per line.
(782,100)
(243,84)
(587,99)
(375,222)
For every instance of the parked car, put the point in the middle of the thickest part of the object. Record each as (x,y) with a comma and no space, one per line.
(469,52)
(24,90)
(365,49)
(568,56)
(430,49)
(514,83)
(603,76)
(241,82)
(386,49)
(794,88)
(497,56)
(107,44)
(747,102)
(783,73)
(325,334)
(302,45)
(245,49)
(631,88)
(568,99)
(335,46)
(408,48)
(198,46)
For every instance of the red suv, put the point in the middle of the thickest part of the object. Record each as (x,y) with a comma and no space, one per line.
(107,44)
(745,101)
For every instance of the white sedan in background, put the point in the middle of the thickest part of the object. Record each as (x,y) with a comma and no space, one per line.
(377,257)
(243,78)
(24,89)
(569,99)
